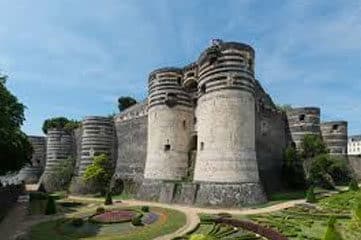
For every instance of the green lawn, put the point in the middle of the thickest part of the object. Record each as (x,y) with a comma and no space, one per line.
(168,222)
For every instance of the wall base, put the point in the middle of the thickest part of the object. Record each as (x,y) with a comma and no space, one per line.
(78,186)
(203,194)
(230,195)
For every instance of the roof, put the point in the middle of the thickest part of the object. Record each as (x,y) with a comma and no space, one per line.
(355,138)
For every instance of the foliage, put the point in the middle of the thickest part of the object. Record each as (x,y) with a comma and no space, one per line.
(145,208)
(108,199)
(201,237)
(99,172)
(292,169)
(310,197)
(325,170)
(137,220)
(331,232)
(353,186)
(357,211)
(50,206)
(77,222)
(284,107)
(100,210)
(60,123)
(38,196)
(15,148)
(61,177)
(125,102)
(312,146)
(341,202)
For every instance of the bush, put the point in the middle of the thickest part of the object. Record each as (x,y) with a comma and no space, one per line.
(353,185)
(50,206)
(77,222)
(331,232)
(145,208)
(38,196)
(310,197)
(100,210)
(137,220)
(292,170)
(357,211)
(200,237)
(108,199)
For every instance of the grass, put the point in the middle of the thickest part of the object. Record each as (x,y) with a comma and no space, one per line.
(310,223)
(286,196)
(169,221)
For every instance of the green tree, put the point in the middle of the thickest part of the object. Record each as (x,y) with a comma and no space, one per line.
(312,145)
(99,172)
(60,178)
(15,148)
(292,170)
(125,102)
(60,123)
(331,232)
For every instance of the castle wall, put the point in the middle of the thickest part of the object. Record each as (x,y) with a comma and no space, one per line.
(334,135)
(131,130)
(226,163)
(303,121)
(59,147)
(355,163)
(271,141)
(39,146)
(170,119)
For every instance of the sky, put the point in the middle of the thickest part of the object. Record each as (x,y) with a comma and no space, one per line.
(75,58)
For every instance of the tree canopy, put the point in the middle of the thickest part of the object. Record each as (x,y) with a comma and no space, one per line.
(15,148)
(125,102)
(99,172)
(60,123)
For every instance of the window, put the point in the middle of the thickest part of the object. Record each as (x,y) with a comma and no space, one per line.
(194,120)
(250,63)
(335,127)
(167,147)
(302,117)
(202,145)
(184,124)
(203,88)
(190,74)
(179,81)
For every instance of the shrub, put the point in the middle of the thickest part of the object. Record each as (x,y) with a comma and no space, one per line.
(357,211)
(310,196)
(145,208)
(38,196)
(100,210)
(353,185)
(292,170)
(108,199)
(200,237)
(331,232)
(77,222)
(50,206)
(137,220)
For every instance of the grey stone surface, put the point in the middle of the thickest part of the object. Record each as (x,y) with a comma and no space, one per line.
(131,132)
(167,192)
(355,163)
(230,195)
(149,190)
(185,193)
(334,135)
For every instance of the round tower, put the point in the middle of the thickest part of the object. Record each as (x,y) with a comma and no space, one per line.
(97,138)
(39,155)
(334,135)
(170,119)
(59,147)
(303,121)
(226,164)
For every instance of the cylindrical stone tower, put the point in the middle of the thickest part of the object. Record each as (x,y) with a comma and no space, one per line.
(334,135)
(39,155)
(303,121)
(97,138)
(170,119)
(59,147)
(226,164)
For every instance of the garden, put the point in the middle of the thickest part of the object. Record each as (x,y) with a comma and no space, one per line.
(93,220)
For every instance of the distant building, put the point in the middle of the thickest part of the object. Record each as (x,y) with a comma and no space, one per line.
(354,145)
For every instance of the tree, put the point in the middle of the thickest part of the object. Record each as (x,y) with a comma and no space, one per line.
(292,170)
(15,148)
(60,178)
(99,172)
(60,123)
(125,102)
(312,145)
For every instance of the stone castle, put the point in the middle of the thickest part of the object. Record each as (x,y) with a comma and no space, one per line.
(208,134)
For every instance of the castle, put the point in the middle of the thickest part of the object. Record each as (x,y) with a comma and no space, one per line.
(208,134)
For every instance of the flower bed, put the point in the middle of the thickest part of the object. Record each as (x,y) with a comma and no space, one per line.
(150,218)
(115,216)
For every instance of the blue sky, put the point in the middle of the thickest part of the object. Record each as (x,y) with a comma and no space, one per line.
(74,58)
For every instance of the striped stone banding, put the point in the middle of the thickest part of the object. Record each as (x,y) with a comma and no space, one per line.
(97,138)
(334,135)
